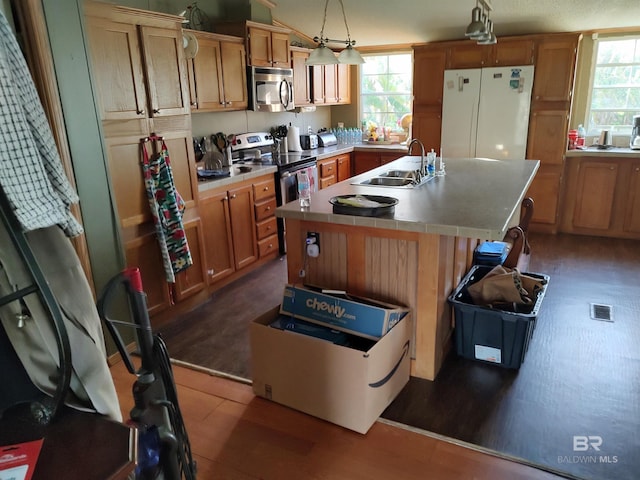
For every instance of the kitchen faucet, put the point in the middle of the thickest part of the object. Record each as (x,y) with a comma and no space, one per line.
(422,170)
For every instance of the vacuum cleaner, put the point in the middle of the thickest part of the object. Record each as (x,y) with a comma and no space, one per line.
(164,451)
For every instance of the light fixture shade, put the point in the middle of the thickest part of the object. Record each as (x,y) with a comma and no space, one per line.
(350,56)
(489,38)
(322,56)
(476,27)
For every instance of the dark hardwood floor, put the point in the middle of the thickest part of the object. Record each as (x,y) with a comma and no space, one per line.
(578,388)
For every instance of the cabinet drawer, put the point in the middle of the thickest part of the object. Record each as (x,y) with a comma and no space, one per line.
(265,209)
(326,182)
(266,227)
(263,190)
(327,169)
(268,245)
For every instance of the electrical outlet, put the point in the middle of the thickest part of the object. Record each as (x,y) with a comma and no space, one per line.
(313,244)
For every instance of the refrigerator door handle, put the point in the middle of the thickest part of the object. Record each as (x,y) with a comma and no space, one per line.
(461,80)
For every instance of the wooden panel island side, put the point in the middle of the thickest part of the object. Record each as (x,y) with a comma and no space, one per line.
(416,255)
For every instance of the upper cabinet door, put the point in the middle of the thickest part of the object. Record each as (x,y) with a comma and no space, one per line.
(512,53)
(260,47)
(428,75)
(207,68)
(234,72)
(166,71)
(555,68)
(117,68)
(280,56)
(301,78)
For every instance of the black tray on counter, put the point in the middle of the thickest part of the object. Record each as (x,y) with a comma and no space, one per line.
(387,205)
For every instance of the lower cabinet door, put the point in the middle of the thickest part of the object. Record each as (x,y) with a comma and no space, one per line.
(218,243)
(194,278)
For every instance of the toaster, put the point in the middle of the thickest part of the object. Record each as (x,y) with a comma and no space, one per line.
(309,141)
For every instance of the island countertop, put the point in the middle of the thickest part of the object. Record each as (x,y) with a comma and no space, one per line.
(477,198)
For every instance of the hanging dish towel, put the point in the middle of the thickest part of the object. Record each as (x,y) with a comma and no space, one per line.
(166,207)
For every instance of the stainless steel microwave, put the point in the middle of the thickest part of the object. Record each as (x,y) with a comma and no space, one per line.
(270,89)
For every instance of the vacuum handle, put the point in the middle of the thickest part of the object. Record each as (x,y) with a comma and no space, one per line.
(132,282)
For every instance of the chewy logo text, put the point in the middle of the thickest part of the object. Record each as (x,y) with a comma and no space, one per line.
(336,310)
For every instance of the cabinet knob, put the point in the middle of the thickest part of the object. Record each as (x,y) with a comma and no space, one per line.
(265,189)
(637,169)
(224,199)
(156,110)
(612,168)
(210,272)
(269,228)
(268,209)
(233,196)
(140,112)
(193,104)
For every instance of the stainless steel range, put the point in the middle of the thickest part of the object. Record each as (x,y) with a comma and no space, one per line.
(261,148)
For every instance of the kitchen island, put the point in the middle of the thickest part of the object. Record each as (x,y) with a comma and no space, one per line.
(417,254)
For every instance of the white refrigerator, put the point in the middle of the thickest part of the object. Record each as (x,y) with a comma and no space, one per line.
(485,112)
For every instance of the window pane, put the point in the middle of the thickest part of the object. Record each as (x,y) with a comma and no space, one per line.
(609,76)
(615,96)
(620,51)
(386,89)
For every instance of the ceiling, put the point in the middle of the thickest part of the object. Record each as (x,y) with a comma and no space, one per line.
(390,22)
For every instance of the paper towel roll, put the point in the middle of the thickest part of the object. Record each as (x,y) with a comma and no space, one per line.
(293,139)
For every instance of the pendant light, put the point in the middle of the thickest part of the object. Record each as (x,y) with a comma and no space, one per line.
(323,55)
(481,27)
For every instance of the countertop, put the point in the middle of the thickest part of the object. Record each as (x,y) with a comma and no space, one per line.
(235,176)
(319,153)
(621,152)
(477,198)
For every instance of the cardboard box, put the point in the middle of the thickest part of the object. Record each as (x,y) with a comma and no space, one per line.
(339,384)
(358,315)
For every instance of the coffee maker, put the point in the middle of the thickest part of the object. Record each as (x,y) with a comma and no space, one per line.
(634,143)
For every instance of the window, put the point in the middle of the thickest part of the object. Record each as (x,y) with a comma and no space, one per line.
(615,91)
(385,89)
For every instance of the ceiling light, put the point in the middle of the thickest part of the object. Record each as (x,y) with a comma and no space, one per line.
(322,55)
(481,27)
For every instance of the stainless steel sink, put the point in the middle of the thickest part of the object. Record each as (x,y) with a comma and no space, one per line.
(399,173)
(388,182)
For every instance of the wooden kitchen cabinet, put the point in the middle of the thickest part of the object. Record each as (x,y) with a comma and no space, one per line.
(330,84)
(141,82)
(429,63)
(555,62)
(335,169)
(218,74)
(264,194)
(138,63)
(426,127)
(602,197)
(218,241)
(327,172)
(143,252)
(363,161)
(239,226)
(632,210)
(507,52)
(555,68)
(243,225)
(193,279)
(301,76)
(267,45)
(344,166)
(343,84)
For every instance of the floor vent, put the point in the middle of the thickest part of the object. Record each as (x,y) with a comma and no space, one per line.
(601,312)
